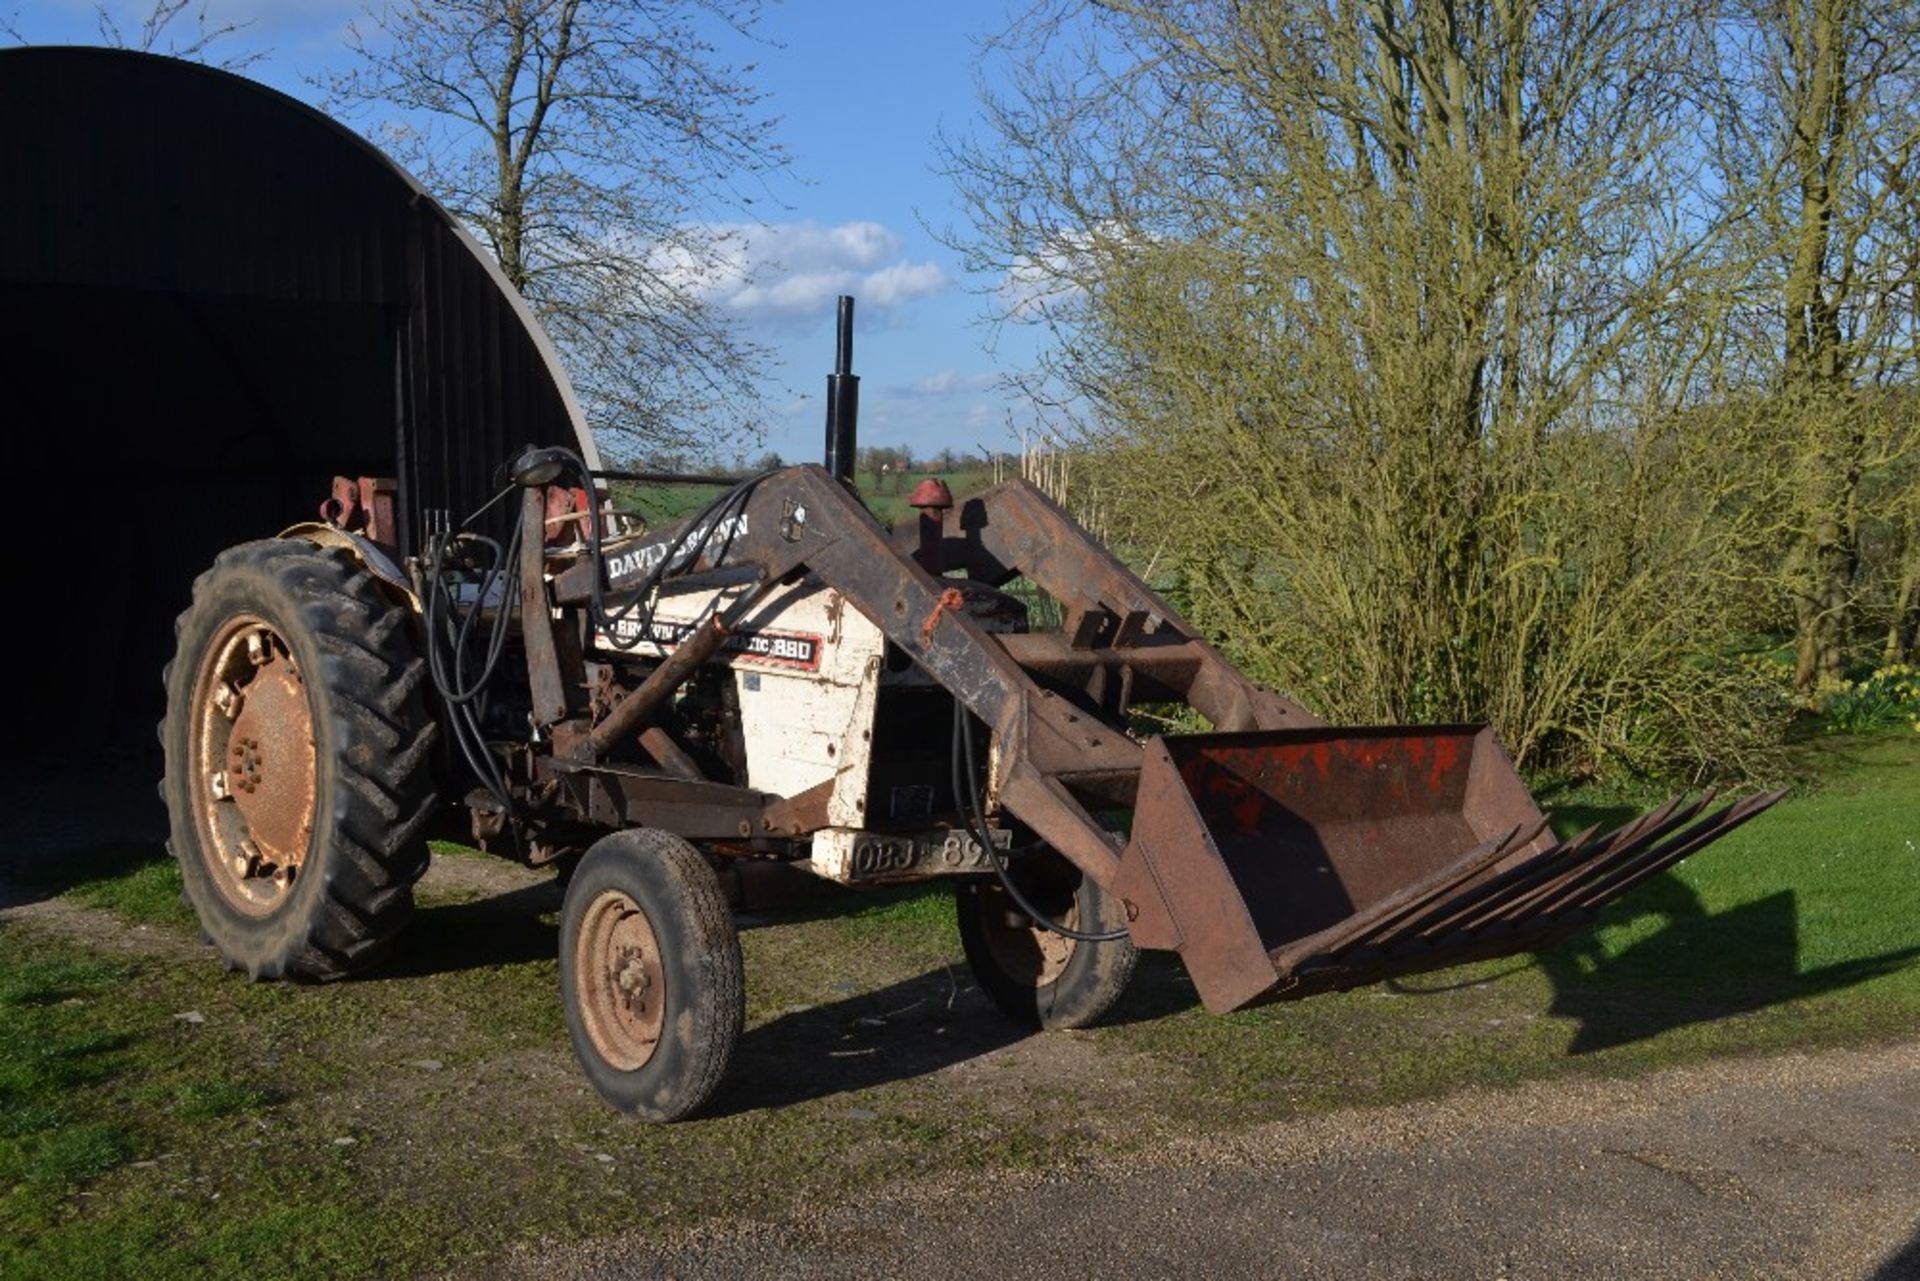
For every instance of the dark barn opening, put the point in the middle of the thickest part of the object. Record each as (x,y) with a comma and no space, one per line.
(213,299)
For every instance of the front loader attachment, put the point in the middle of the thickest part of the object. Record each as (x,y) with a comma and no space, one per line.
(1280,857)
(1281,863)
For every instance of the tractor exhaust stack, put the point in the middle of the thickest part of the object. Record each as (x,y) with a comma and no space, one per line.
(843,399)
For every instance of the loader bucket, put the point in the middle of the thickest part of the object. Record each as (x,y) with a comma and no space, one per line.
(1287,862)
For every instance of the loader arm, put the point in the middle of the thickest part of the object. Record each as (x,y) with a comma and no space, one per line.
(1277,855)
(1114,621)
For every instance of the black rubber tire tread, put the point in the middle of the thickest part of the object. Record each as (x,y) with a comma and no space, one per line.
(1095,976)
(374,736)
(705,974)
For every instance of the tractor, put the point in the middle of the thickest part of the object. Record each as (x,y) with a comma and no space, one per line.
(777,680)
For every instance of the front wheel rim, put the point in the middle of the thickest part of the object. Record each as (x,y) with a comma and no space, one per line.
(621,980)
(1024,950)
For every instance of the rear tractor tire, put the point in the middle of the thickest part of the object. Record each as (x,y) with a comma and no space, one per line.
(1038,978)
(298,774)
(651,974)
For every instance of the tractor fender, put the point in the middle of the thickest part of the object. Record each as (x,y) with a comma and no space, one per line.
(374,557)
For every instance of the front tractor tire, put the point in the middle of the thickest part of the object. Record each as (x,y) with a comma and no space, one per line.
(298,774)
(650,974)
(1038,978)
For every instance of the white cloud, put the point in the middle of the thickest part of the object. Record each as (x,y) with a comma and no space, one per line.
(951,381)
(1036,283)
(903,282)
(792,269)
(1031,285)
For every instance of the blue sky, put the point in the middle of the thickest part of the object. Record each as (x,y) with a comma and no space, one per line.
(862,87)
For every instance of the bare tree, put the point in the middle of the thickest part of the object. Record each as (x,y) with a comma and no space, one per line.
(592,145)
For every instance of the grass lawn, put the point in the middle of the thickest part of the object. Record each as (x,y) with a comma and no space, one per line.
(1801,929)
(162,1118)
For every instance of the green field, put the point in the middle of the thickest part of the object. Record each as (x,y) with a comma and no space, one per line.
(433,1113)
(886,496)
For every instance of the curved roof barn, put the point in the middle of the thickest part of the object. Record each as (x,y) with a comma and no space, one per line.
(213,299)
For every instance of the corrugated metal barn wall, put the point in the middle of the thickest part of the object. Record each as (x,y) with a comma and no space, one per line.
(465,428)
(132,172)
(212,299)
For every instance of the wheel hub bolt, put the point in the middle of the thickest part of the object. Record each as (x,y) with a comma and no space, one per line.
(246,764)
(630,976)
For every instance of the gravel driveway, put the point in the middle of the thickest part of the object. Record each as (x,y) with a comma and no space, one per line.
(1807,1165)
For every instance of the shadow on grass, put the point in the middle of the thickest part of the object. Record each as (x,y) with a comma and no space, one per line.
(131,878)
(504,929)
(1568,819)
(1160,988)
(1698,967)
(33,879)
(767,894)
(71,817)
(895,1033)
(905,1030)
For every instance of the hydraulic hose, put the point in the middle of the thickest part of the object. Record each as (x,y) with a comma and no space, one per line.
(966,785)
(450,630)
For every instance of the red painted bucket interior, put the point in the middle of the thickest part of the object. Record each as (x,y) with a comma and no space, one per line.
(1314,825)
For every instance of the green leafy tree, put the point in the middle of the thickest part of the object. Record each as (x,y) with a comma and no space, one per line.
(1390,331)
(1818,108)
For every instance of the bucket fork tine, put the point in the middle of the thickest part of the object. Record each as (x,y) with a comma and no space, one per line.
(1660,860)
(1489,895)
(1463,877)
(1652,839)
(1379,920)
(1608,852)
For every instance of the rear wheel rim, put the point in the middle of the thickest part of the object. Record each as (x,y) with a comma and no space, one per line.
(253,765)
(621,979)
